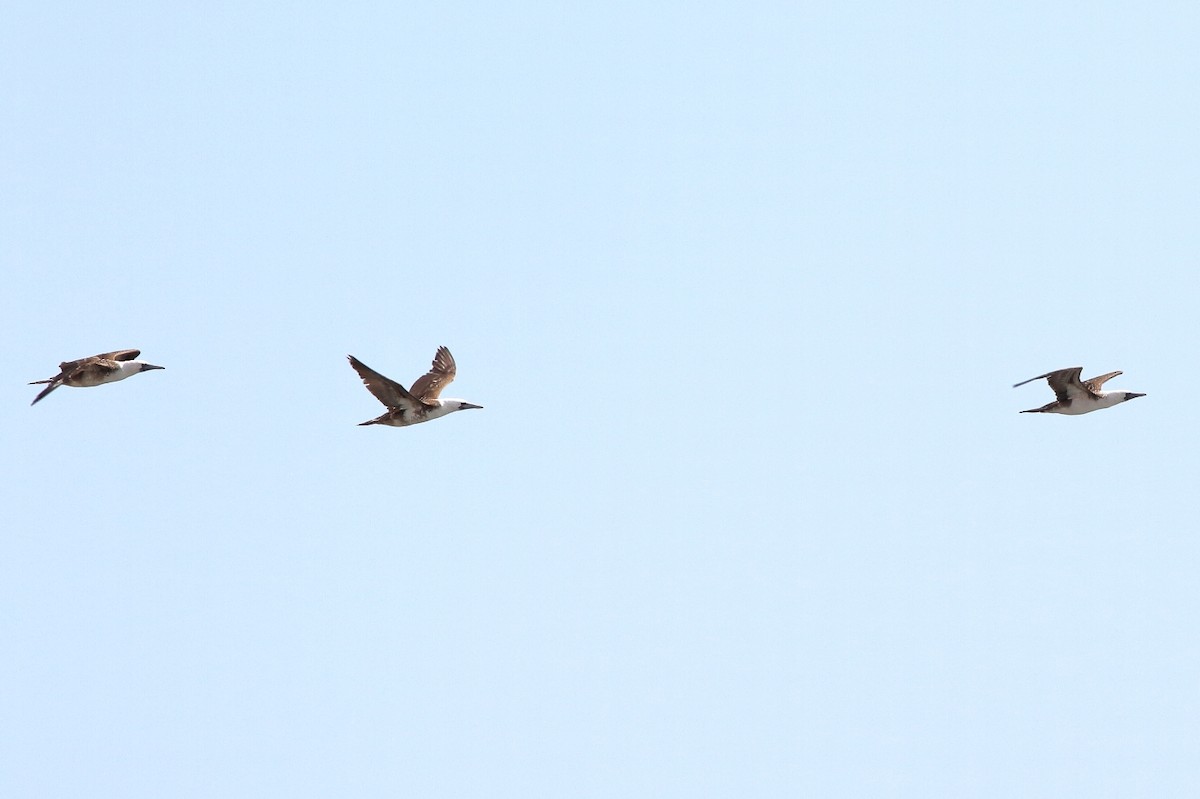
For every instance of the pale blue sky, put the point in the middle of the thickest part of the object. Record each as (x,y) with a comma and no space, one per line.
(749,512)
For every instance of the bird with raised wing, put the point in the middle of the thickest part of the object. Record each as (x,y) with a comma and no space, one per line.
(96,370)
(419,403)
(1075,396)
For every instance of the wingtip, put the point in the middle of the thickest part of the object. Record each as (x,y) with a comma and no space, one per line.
(45,392)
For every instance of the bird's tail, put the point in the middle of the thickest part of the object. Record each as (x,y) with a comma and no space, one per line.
(364,424)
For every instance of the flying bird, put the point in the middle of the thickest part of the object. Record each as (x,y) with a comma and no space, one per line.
(108,367)
(419,403)
(1075,396)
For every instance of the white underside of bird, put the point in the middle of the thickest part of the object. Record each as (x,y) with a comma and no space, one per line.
(1078,405)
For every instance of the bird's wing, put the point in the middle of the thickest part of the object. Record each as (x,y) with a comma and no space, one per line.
(386,390)
(1048,374)
(54,382)
(1064,382)
(103,366)
(1067,385)
(118,355)
(67,367)
(1095,383)
(107,361)
(441,374)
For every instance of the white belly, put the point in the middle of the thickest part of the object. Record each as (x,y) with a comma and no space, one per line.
(1081,406)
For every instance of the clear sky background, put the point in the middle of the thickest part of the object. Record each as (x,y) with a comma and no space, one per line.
(742,288)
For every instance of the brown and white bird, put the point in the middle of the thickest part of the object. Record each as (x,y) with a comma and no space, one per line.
(1075,396)
(419,403)
(107,367)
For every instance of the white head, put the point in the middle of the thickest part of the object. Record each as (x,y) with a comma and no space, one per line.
(133,367)
(446,406)
(129,368)
(1107,399)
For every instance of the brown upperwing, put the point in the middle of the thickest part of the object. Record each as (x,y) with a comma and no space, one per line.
(386,390)
(428,386)
(1066,384)
(1095,383)
(68,367)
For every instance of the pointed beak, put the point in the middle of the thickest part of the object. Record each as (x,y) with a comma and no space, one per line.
(146,367)
(1134,395)
(466,405)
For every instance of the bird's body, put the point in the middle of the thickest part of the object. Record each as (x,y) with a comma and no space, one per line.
(96,370)
(420,403)
(1074,396)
